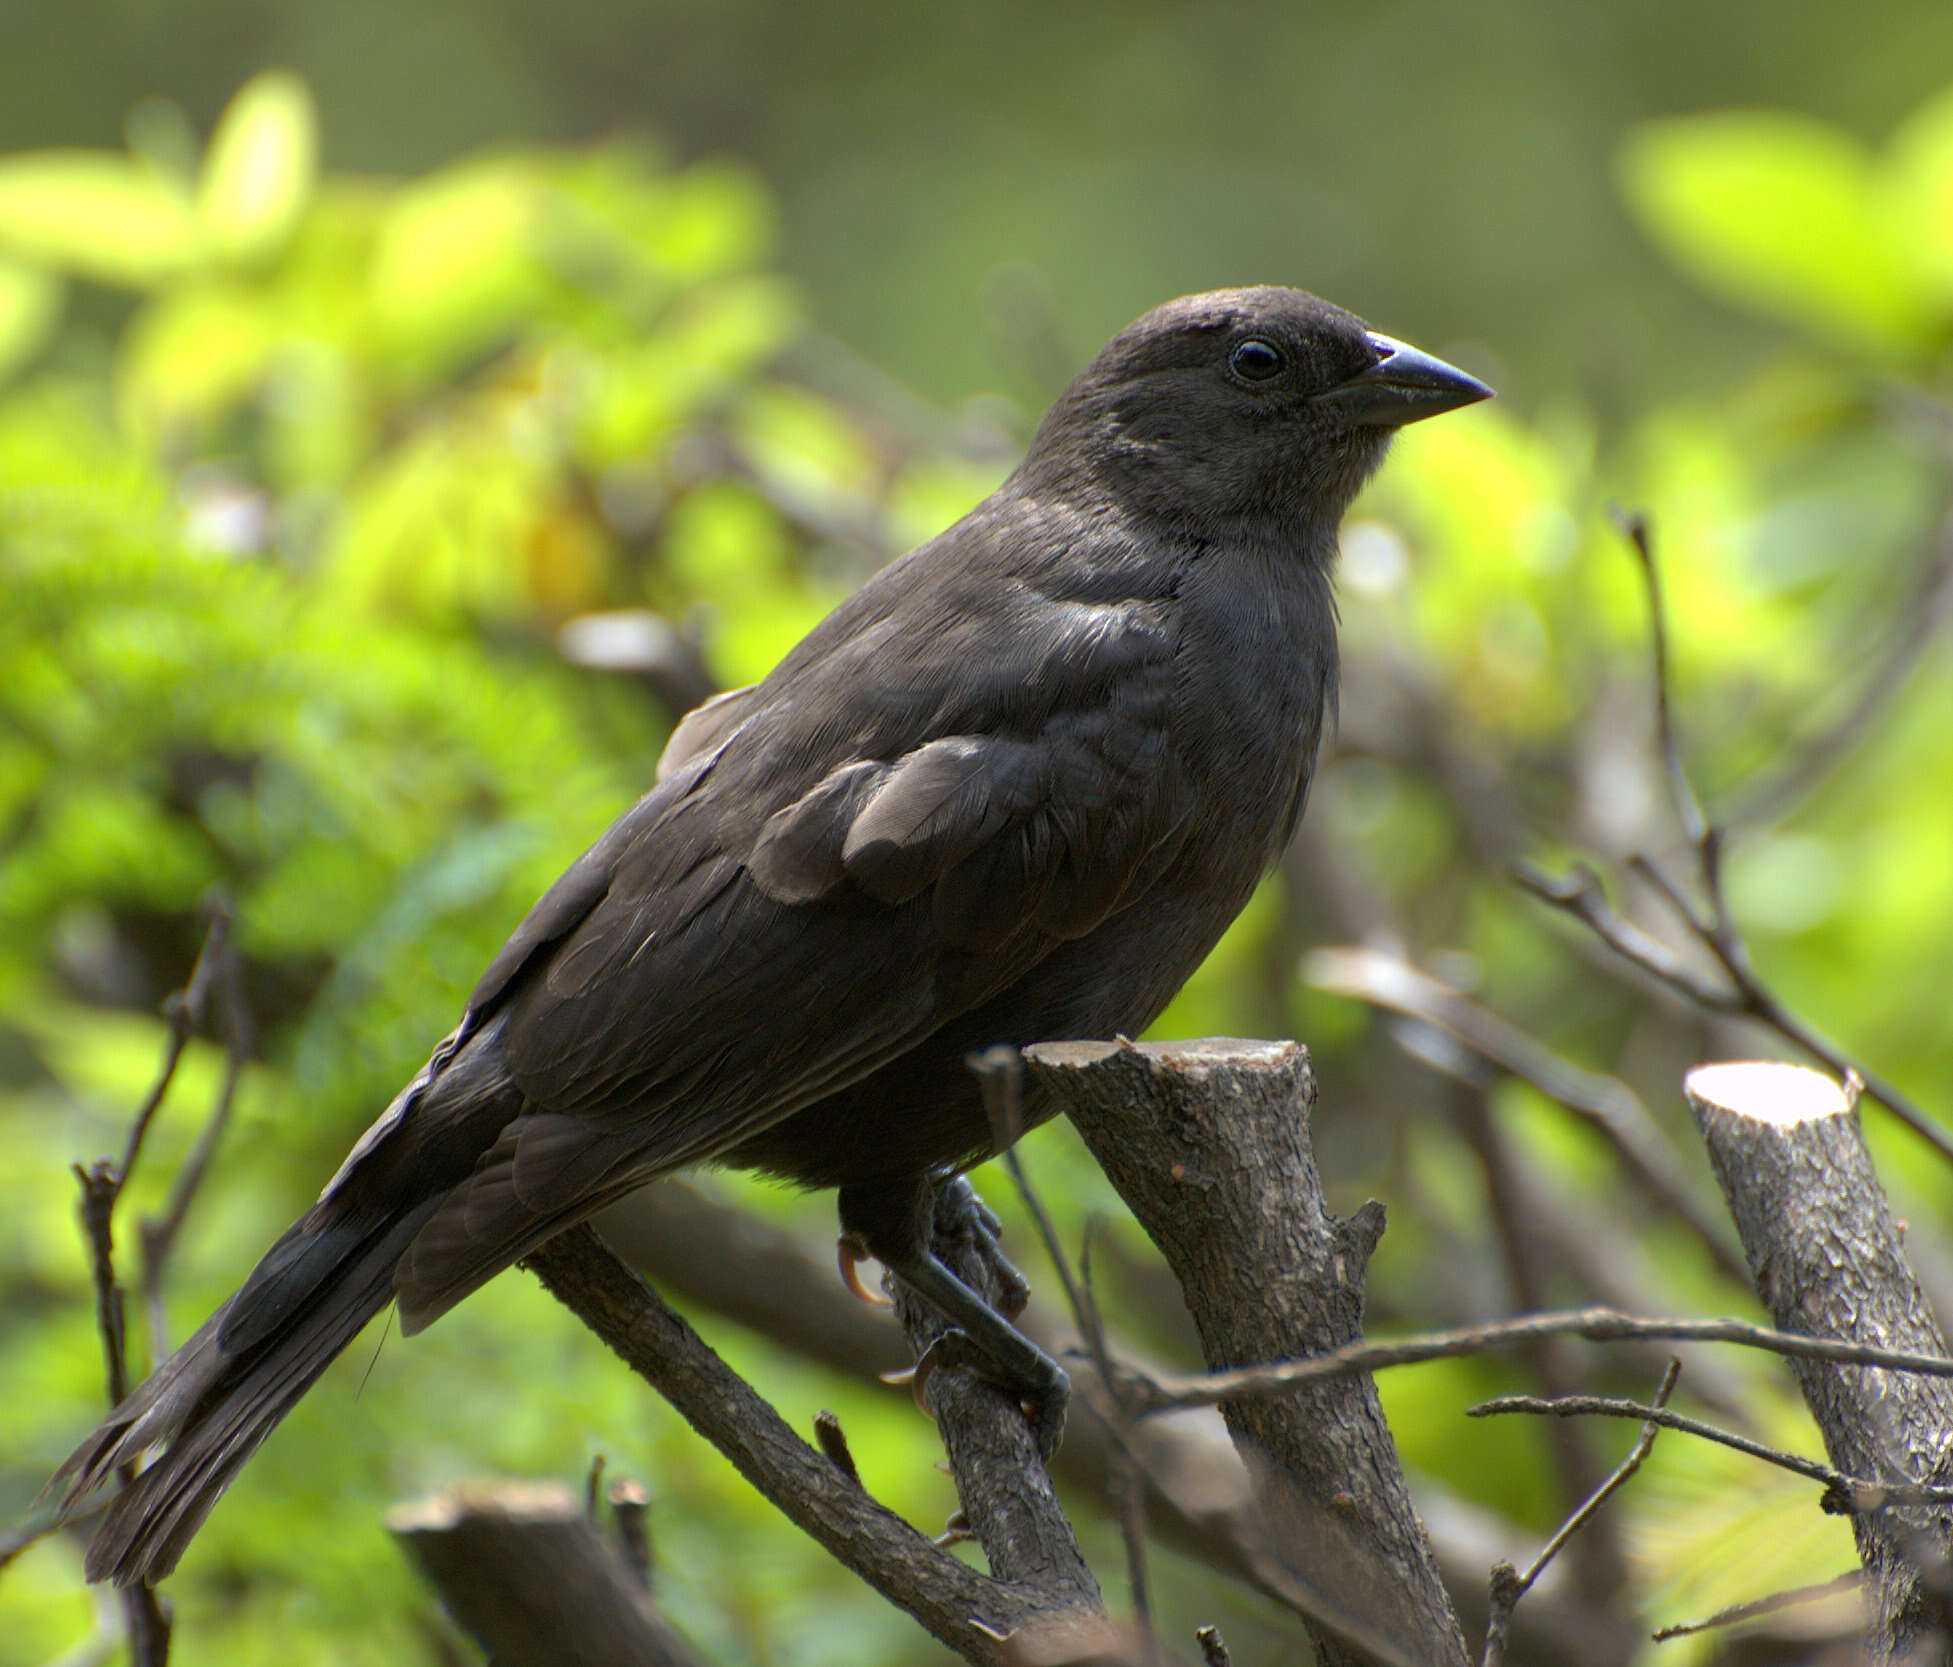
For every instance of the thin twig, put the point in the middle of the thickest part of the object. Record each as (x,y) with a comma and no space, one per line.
(102,1185)
(1158,1393)
(158,1235)
(1745,993)
(1508,1588)
(1581,894)
(1844,1493)
(1604,1103)
(1000,1071)
(1000,1075)
(1128,1476)
(183,1012)
(1913,626)
(593,1483)
(1599,1563)
(1695,826)
(833,1441)
(1756,1608)
(630,1519)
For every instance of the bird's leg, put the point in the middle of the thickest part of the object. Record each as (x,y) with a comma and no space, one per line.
(962,1213)
(898,1224)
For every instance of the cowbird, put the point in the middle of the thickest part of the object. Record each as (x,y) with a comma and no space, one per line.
(1013,789)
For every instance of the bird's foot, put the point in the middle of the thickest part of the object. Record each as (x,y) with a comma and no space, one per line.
(851,1251)
(1043,1391)
(962,1213)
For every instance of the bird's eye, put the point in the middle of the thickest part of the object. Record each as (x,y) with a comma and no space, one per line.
(1256,360)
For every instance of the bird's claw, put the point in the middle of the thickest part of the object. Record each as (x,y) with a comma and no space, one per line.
(1043,1402)
(850,1252)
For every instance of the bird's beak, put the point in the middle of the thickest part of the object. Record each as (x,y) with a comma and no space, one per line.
(1404,386)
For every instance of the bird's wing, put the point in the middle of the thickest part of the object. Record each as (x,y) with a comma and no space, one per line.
(704,727)
(884,834)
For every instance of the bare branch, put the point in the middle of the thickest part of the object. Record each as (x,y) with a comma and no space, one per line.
(1757,1608)
(716,1257)
(1604,1103)
(1914,625)
(1745,993)
(1599,1565)
(1508,1588)
(1581,895)
(1688,808)
(1845,1493)
(1208,1142)
(102,1184)
(967,1611)
(1007,1501)
(158,1235)
(1598,1325)
(1826,1259)
(525,1567)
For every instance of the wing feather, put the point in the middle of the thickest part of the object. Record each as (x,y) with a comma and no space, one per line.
(839,861)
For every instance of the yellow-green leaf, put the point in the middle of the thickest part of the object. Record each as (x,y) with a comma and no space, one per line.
(259,171)
(189,357)
(30,302)
(1922,192)
(96,215)
(1783,214)
(454,266)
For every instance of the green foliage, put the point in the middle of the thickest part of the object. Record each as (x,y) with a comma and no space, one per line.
(283,560)
(1785,214)
(280,597)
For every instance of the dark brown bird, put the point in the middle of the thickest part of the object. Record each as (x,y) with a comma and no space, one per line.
(1011,790)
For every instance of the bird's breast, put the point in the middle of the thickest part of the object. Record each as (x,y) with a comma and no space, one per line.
(1257,675)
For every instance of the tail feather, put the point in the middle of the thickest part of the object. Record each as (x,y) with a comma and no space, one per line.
(215,1400)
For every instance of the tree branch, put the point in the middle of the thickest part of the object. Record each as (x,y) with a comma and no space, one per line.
(965,1610)
(1196,1491)
(1741,991)
(1159,1391)
(1208,1144)
(1509,1586)
(1842,1493)
(530,1574)
(1826,1258)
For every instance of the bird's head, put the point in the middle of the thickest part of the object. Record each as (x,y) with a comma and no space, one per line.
(1244,409)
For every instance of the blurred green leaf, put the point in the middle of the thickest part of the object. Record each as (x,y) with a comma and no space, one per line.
(1922,192)
(189,357)
(454,267)
(98,216)
(1782,213)
(259,169)
(45,1610)
(30,307)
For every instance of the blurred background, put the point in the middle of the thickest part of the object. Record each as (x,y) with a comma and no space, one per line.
(406,413)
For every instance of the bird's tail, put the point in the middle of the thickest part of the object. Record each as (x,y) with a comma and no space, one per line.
(217,1398)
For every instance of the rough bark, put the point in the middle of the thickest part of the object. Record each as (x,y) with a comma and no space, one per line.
(1828,1262)
(720,1257)
(1008,1502)
(972,1614)
(527,1571)
(1208,1143)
